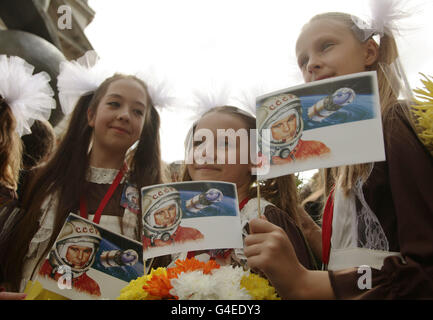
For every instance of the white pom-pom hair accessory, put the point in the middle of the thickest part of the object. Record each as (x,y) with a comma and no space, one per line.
(29,95)
(79,78)
(205,100)
(158,89)
(84,76)
(383,17)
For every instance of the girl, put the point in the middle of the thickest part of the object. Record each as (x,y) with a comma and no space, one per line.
(283,213)
(24,97)
(108,121)
(378,215)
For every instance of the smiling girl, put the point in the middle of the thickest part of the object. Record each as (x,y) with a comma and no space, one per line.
(279,202)
(89,172)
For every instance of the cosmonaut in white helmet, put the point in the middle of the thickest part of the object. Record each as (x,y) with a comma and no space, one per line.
(131,197)
(162,213)
(76,247)
(282,114)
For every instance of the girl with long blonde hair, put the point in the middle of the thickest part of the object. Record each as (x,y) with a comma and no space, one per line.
(377,225)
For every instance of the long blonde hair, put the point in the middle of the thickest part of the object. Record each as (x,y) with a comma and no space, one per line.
(389,91)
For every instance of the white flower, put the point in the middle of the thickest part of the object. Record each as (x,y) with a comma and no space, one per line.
(229,280)
(194,286)
(222,284)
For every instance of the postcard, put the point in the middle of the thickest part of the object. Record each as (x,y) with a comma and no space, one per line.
(190,216)
(321,124)
(89,262)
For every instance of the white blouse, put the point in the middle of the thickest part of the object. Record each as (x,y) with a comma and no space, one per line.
(126,225)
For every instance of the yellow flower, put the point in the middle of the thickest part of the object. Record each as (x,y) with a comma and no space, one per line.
(157,285)
(134,290)
(258,287)
(423,111)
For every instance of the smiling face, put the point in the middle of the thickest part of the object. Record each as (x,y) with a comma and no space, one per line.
(119,116)
(237,173)
(328,48)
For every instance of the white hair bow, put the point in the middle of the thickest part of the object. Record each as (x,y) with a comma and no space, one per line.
(29,95)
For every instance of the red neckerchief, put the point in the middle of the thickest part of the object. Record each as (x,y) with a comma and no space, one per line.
(107,197)
(219,252)
(327,227)
(243,203)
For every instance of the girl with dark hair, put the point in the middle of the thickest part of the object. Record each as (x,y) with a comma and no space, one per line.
(88,173)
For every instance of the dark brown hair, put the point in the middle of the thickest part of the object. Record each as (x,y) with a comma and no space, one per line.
(281,191)
(10,147)
(64,176)
(38,145)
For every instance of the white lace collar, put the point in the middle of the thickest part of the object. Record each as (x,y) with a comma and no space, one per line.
(249,211)
(101,175)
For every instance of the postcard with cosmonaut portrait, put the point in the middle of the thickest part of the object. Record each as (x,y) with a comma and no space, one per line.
(326,123)
(130,198)
(89,262)
(190,216)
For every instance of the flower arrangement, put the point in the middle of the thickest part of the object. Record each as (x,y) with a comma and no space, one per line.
(196,280)
(423,111)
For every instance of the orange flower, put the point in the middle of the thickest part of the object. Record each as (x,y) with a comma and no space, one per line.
(209,266)
(159,285)
(172,273)
(186,265)
(189,265)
